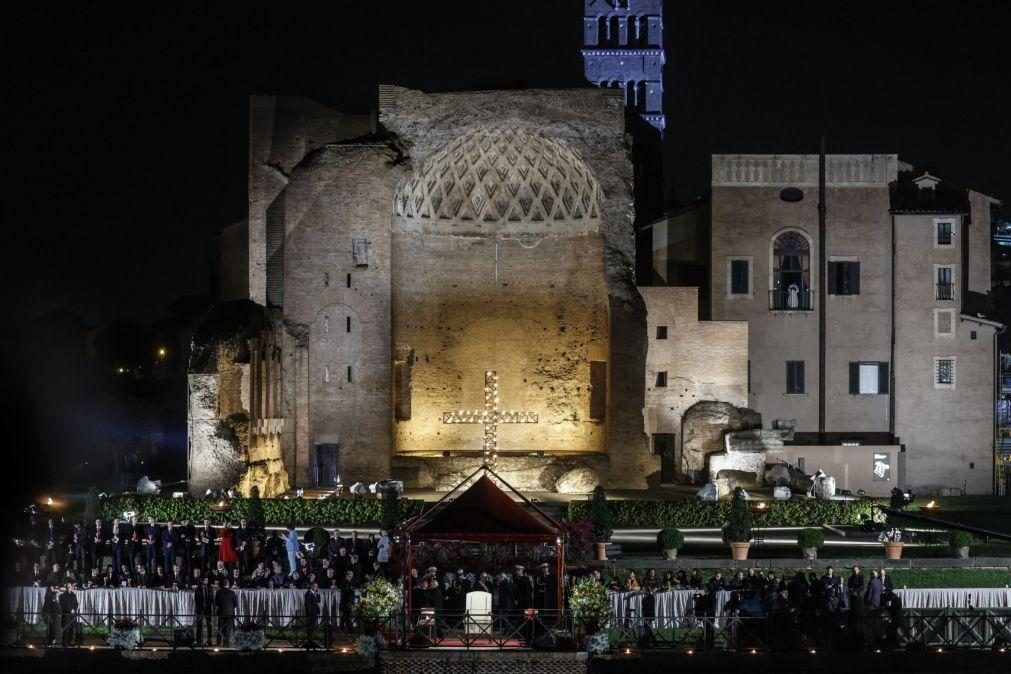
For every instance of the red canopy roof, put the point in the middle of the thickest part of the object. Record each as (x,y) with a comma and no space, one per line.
(483,513)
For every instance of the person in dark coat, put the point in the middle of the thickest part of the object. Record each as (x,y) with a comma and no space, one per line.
(203,598)
(98,541)
(546,594)
(134,536)
(169,544)
(206,537)
(68,608)
(226,602)
(187,536)
(79,540)
(347,602)
(55,575)
(51,613)
(244,546)
(716,583)
(506,602)
(312,612)
(872,599)
(523,589)
(152,534)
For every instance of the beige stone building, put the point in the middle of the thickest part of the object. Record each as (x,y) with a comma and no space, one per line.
(875,336)
(460,259)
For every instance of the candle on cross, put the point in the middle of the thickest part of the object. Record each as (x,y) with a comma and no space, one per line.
(489,417)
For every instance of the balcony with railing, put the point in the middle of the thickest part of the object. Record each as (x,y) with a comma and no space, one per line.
(944,291)
(790,300)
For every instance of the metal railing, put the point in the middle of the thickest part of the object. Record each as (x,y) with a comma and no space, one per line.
(884,629)
(785,300)
(944,291)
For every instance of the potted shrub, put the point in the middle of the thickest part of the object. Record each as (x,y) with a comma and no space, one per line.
(892,540)
(810,540)
(960,542)
(670,541)
(738,527)
(600,515)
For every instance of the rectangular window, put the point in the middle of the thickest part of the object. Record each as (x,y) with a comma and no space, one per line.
(794,377)
(944,233)
(844,278)
(944,372)
(661,332)
(348,324)
(868,378)
(945,289)
(349,374)
(739,277)
(661,379)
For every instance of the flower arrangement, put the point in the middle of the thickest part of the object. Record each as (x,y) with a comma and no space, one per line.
(125,634)
(590,604)
(598,644)
(892,535)
(378,601)
(250,637)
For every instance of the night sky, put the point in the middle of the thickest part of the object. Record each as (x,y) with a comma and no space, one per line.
(127,122)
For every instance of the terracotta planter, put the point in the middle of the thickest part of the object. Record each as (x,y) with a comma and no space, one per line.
(739,551)
(670,555)
(810,553)
(961,553)
(893,550)
(601,551)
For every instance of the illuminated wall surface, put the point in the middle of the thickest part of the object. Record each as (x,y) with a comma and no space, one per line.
(498,261)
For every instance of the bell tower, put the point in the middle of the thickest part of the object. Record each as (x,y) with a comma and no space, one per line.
(623,49)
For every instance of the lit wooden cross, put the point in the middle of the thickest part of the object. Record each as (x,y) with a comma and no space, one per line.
(490,417)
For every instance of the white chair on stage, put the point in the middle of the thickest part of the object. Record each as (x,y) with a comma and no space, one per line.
(477,619)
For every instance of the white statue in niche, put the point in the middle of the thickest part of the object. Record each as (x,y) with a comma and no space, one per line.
(793,299)
(326,374)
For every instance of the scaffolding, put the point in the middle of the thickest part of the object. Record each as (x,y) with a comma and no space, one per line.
(1002,435)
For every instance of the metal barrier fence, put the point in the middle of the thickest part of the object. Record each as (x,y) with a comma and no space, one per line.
(907,629)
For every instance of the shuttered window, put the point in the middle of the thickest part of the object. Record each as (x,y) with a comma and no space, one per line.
(739,277)
(843,278)
(868,378)
(794,376)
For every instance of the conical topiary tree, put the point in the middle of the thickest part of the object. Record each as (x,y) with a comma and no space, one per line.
(600,515)
(254,514)
(390,517)
(740,521)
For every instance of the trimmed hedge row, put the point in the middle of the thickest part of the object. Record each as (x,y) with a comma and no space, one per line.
(688,514)
(277,512)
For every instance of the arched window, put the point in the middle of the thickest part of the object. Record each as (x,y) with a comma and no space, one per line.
(791,272)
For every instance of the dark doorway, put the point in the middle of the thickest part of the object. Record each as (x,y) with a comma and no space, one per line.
(663,444)
(325,468)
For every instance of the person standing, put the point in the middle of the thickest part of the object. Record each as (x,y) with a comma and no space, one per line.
(68,608)
(506,602)
(347,602)
(118,543)
(207,557)
(291,547)
(187,534)
(225,601)
(51,613)
(226,549)
(169,543)
(874,590)
(151,536)
(79,540)
(203,598)
(312,610)
(98,540)
(383,546)
(244,546)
